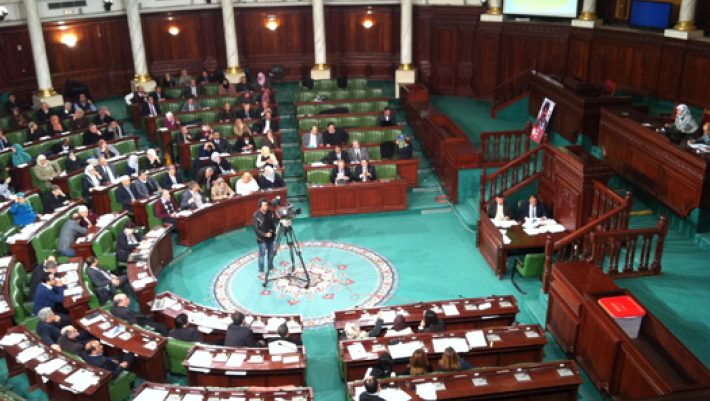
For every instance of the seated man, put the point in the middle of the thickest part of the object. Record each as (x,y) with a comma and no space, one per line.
(246,185)
(139,96)
(284,335)
(125,194)
(243,85)
(13,102)
(114,131)
(193,197)
(107,171)
(158,96)
(72,340)
(335,136)
(193,90)
(45,113)
(364,172)
(246,113)
(54,199)
(500,210)
(95,356)
(93,135)
(206,78)
(84,104)
(50,294)
(121,310)
(533,209)
(145,185)
(166,208)
(221,144)
(704,139)
(264,125)
(48,327)
(238,334)
(340,174)
(49,266)
(336,155)
(105,284)
(372,390)
(71,230)
(265,108)
(183,332)
(171,179)
(387,119)
(150,108)
(357,153)
(313,139)
(227,114)
(191,105)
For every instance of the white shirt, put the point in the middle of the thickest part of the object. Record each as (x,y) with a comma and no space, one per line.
(267,126)
(532,211)
(243,189)
(110,174)
(499,212)
(314,141)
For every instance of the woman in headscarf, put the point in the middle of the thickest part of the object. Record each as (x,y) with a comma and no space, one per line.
(240,128)
(132,166)
(352,331)
(19,156)
(245,143)
(246,185)
(73,162)
(271,179)
(224,166)
(67,111)
(88,217)
(106,150)
(225,88)
(266,158)
(269,141)
(261,82)
(90,181)
(34,132)
(55,126)
(22,211)
(246,98)
(104,116)
(684,121)
(266,95)
(45,170)
(18,119)
(153,161)
(221,190)
(79,122)
(399,328)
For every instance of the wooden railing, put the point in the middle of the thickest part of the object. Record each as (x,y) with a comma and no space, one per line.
(527,168)
(511,90)
(501,147)
(607,200)
(611,248)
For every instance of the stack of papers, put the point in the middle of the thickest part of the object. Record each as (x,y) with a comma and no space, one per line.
(505,223)
(82,379)
(30,353)
(151,394)
(457,343)
(155,233)
(405,350)
(50,367)
(357,351)
(699,146)
(391,394)
(5,261)
(201,358)
(427,391)
(236,360)
(12,339)
(139,284)
(450,310)
(476,339)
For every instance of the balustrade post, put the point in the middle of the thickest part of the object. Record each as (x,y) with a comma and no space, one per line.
(663,231)
(627,212)
(547,276)
(483,189)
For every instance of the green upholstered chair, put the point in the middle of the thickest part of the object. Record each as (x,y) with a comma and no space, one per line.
(320,176)
(117,226)
(104,247)
(152,220)
(312,156)
(19,136)
(532,266)
(93,299)
(386,171)
(176,352)
(7,229)
(74,183)
(177,196)
(243,163)
(120,387)
(18,298)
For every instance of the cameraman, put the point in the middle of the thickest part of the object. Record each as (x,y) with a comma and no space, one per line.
(264,223)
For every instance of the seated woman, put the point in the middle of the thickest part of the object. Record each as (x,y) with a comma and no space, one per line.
(684,123)
(45,170)
(246,98)
(240,128)
(266,95)
(206,132)
(221,190)
(431,323)
(19,156)
(170,122)
(90,181)
(245,143)
(223,165)
(226,88)
(79,121)
(127,241)
(106,150)
(73,162)
(22,211)
(88,217)
(152,160)
(418,364)
(399,328)
(270,179)
(353,332)
(55,126)
(34,132)
(132,166)
(19,119)
(246,185)
(452,362)
(270,141)
(266,158)
(104,116)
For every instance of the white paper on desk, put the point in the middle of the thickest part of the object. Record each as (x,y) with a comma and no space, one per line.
(294,327)
(506,240)
(50,367)
(151,394)
(272,324)
(5,261)
(405,350)
(388,316)
(12,339)
(476,339)
(192,397)
(279,347)
(184,213)
(201,358)
(505,223)
(73,291)
(459,344)
(484,306)
(392,394)
(357,351)
(427,391)
(450,310)
(557,228)
(29,353)
(236,360)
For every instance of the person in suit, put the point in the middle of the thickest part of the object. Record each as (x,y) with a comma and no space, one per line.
(171,179)
(158,96)
(227,114)
(703,139)
(500,210)
(270,141)
(74,163)
(168,81)
(191,105)
(206,78)
(139,96)
(105,284)
(49,294)
(335,136)
(48,328)
(265,108)
(121,310)
(418,364)
(352,331)
(193,90)
(221,144)
(94,356)
(357,153)
(13,103)
(107,171)
(193,197)
(340,174)
(238,334)
(4,142)
(431,323)
(125,194)
(206,177)
(35,133)
(533,209)
(264,125)
(184,79)
(127,241)
(67,111)
(243,85)
(245,143)
(166,208)
(364,172)
(183,332)
(184,136)
(71,230)
(49,266)
(114,131)
(54,199)
(62,146)
(73,340)
(145,185)
(336,155)
(246,113)
(285,335)
(270,179)
(372,390)
(171,122)
(84,104)
(45,113)
(55,126)
(150,108)
(89,182)
(387,119)
(93,135)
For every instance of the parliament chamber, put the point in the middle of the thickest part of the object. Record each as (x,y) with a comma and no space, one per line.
(340,200)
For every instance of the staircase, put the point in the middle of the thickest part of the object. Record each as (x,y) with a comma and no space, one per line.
(512,90)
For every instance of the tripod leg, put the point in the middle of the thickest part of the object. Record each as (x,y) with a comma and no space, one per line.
(297,248)
(277,244)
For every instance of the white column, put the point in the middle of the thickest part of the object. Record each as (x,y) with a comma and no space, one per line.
(140,65)
(588,18)
(406,73)
(234,72)
(321,70)
(495,11)
(45,91)
(685,28)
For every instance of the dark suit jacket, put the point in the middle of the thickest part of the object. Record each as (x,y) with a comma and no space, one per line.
(43,117)
(44,297)
(244,116)
(103,286)
(86,186)
(364,396)
(124,198)
(540,210)
(383,122)
(59,147)
(145,109)
(157,98)
(48,332)
(122,247)
(338,137)
(332,157)
(137,99)
(186,334)
(266,184)
(167,183)
(104,176)
(141,190)
(52,202)
(507,210)
(130,315)
(439,327)
(239,336)
(35,280)
(334,173)
(370,169)
(187,92)
(102,362)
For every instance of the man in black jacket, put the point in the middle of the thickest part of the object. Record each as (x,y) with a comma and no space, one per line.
(264,222)
(246,113)
(284,335)
(183,332)
(54,199)
(49,266)
(95,356)
(151,108)
(48,328)
(500,210)
(364,172)
(372,390)
(335,136)
(336,155)
(105,283)
(121,310)
(238,334)
(125,194)
(340,174)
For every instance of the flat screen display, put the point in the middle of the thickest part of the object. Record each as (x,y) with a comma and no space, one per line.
(650,14)
(541,8)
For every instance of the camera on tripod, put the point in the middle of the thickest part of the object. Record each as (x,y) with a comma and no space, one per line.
(287,211)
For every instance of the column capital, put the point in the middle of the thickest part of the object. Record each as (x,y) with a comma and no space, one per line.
(495,11)
(142,78)
(234,70)
(49,92)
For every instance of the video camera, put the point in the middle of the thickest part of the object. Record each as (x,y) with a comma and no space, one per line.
(287,211)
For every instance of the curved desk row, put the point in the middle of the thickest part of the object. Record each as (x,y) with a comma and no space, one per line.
(185,149)
(102,197)
(6,309)
(143,274)
(407,169)
(76,297)
(168,135)
(159,392)
(83,245)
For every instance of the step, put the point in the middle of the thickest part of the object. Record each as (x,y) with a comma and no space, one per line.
(703,241)
(293,179)
(425,189)
(290,144)
(292,199)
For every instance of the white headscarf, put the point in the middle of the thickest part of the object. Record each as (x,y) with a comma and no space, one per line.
(269,173)
(684,110)
(151,154)
(133,162)
(87,172)
(214,156)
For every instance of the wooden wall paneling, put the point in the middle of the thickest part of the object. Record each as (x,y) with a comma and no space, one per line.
(695,80)
(523,43)
(579,53)
(486,60)
(118,59)
(172,53)
(17,70)
(672,60)
(444,80)
(421,48)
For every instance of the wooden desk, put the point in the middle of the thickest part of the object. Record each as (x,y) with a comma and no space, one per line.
(675,176)
(575,113)
(168,135)
(495,252)
(213,323)
(301,133)
(143,276)
(407,169)
(221,216)
(410,93)
(515,346)
(501,312)
(278,153)
(268,373)
(77,304)
(6,315)
(545,383)
(102,197)
(82,246)
(152,127)
(336,103)
(186,154)
(210,394)
(23,249)
(358,197)
(56,383)
(149,363)
(570,281)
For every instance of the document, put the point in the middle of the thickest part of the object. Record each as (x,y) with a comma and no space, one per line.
(12,339)
(427,391)
(50,367)
(151,394)
(505,223)
(30,353)
(282,347)
(357,351)
(450,310)
(476,339)
(388,316)
(392,394)
(457,343)
(236,360)
(405,350)
(201,358)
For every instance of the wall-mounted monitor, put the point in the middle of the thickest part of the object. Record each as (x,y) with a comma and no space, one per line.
(650,14)
(541,8)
